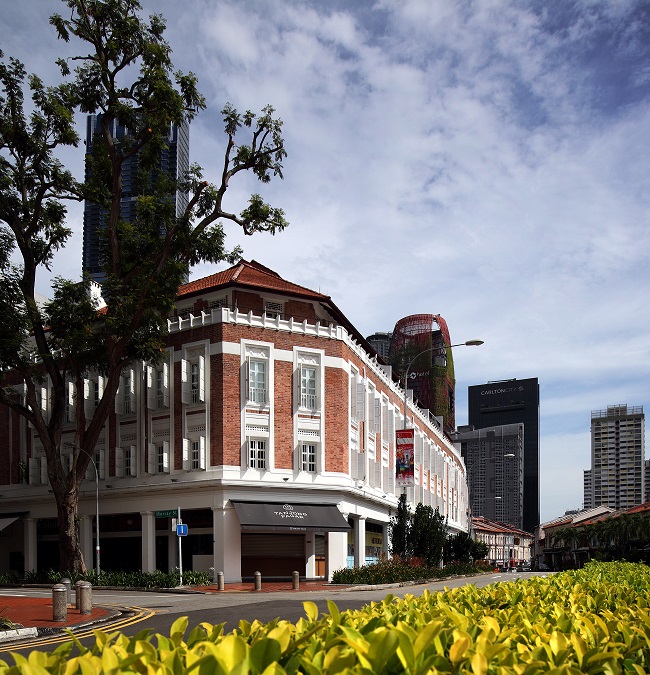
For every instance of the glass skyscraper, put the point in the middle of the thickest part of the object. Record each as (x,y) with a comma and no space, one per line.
(175,160)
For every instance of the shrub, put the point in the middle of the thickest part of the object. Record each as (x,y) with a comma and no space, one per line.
(155,579)
(595,620)
(396,570)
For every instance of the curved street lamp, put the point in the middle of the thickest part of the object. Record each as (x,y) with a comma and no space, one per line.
(469,343)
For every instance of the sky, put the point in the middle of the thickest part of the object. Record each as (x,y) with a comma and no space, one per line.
(488,161)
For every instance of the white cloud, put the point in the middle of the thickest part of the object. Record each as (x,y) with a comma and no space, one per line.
(486,160)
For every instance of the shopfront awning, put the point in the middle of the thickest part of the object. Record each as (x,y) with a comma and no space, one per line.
(290,517)
(8,518)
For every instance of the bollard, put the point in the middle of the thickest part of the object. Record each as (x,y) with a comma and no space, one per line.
(68,587)
(86,598)
(258,581)
(77,593)
(59,604)
(220,581)
(296,581)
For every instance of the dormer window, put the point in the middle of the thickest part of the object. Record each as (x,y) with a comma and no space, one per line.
(273,310)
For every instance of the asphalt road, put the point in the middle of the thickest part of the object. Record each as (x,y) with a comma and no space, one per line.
(156,611)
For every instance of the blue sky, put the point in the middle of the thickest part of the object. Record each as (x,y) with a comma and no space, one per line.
(488,161)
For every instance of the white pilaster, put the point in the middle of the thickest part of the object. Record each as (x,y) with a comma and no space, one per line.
(148,541)
(227,544)
(359,542)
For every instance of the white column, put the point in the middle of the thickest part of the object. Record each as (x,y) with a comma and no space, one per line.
(172,550)
(359,542)
(227,544)
(337,552)
(86,540)
(310,555)
(148,541)
(31,563)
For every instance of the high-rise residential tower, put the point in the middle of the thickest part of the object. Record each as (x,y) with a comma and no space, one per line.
(512,402)
(174,159)
(616,477)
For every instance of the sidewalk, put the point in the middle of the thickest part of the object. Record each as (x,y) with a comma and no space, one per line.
(32,612)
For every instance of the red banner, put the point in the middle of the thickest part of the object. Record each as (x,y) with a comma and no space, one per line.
(404,460)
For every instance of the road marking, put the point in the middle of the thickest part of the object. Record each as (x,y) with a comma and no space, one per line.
(141,614)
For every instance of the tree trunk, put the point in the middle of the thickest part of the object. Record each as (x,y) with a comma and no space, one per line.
(71,557)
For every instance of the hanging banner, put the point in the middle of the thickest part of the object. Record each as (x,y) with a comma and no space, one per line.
(404,460)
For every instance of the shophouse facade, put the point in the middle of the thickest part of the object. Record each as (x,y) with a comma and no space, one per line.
(508,546)
(269,423)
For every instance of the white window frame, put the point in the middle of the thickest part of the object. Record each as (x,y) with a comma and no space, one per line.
(273,309)
(70,401)
(158,456)
(193,388)
(258,457)
(194,453)
(255,393)
(309,394)
(308,457)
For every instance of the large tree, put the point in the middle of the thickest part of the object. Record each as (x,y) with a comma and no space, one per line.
(124,72)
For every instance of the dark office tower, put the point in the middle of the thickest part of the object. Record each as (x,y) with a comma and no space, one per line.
(420,345)
(175,160)
(512,402)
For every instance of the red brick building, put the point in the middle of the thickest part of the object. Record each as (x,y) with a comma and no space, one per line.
(269,422)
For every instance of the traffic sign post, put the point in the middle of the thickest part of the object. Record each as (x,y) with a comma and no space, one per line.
(181,529)
(179,524)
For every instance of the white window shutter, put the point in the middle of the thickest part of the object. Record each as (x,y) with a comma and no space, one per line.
(71,402)
(361,401)
(185,381)
(34,471)
(151,388)
(152,460)
(89,400)
(43,470)
(247,383)
(165,371)
(202,453)
(100,386)
(119,462)
(377,415)
(44,402)
(378,474)
(101,465)
(187,459)
(119,398)
(133,466)
(202,378)
(361,466)
(166,456)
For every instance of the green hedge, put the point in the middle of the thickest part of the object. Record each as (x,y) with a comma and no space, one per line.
(595,620)
(108,578)
(396,570)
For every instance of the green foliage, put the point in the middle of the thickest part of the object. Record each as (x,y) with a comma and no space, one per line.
(463,548)
(594,621)
(399,570)
(399,529)
(124,72)
(428,534)
(136,579)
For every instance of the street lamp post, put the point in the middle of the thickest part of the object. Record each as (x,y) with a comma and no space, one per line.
(469,343)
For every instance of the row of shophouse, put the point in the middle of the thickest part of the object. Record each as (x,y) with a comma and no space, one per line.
(269,423)
(601,532)
(507,546)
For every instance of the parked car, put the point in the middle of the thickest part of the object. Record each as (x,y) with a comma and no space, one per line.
(524,567)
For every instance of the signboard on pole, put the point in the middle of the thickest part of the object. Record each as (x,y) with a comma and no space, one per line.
(404,457)
(181,530)
(171,513)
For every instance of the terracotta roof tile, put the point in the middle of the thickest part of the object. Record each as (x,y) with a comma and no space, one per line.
(249,274)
